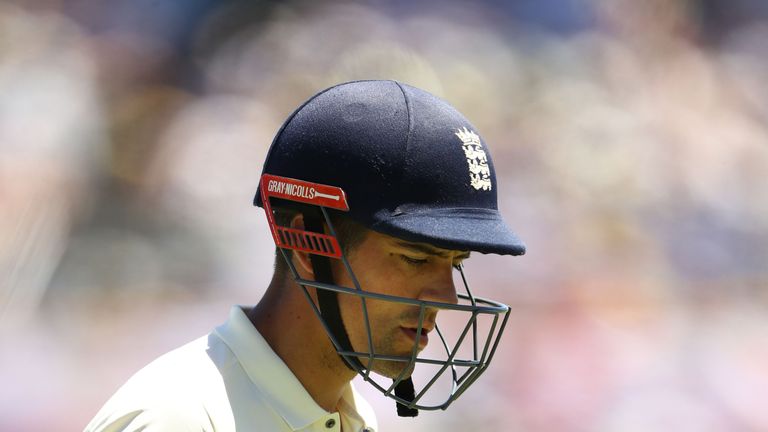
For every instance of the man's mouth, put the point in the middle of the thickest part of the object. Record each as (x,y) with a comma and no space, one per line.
(422,337)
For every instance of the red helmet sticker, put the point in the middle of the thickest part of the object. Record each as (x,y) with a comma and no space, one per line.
(305,192)
(302,191)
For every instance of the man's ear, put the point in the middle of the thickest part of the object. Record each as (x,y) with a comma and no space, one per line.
(301,259)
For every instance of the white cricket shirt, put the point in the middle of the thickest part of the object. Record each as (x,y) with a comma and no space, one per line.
(229,380)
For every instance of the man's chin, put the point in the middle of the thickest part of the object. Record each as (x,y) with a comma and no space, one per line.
(392,369)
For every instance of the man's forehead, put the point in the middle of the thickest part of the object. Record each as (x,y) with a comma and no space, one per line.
(416,246)
(429,249)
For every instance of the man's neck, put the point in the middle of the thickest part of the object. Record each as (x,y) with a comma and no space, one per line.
(287,322)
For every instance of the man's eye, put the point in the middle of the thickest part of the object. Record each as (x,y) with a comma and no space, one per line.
(413,261)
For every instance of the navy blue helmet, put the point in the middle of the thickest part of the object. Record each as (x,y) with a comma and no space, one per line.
(401,162)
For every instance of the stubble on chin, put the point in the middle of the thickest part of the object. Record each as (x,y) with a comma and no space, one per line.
(390,368)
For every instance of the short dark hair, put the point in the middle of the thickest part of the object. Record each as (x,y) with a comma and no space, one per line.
(349,232)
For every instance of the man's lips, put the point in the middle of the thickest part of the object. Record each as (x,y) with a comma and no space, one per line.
(423,337)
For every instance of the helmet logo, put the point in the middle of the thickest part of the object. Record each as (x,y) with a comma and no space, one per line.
(479,172)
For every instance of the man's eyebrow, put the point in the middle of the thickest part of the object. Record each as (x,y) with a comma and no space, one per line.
(429,250)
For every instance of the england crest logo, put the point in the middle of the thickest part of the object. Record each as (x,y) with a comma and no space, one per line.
(479,172)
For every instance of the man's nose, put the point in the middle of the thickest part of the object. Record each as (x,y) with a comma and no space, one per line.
(442,288)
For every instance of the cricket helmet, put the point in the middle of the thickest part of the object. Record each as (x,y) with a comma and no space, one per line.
(401,162)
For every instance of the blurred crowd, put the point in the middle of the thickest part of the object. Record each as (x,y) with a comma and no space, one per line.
(630,140)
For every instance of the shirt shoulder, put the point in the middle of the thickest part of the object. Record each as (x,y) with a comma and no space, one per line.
(155,419)
(163,396)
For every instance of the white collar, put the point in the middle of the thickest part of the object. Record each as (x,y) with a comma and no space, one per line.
(274,379)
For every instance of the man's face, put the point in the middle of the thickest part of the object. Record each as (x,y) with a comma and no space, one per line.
(388,265)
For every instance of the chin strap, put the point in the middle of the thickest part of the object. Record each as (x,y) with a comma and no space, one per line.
(404,390)
(327,300)
(328,304)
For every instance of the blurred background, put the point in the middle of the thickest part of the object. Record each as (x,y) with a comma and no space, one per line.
(630,140)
